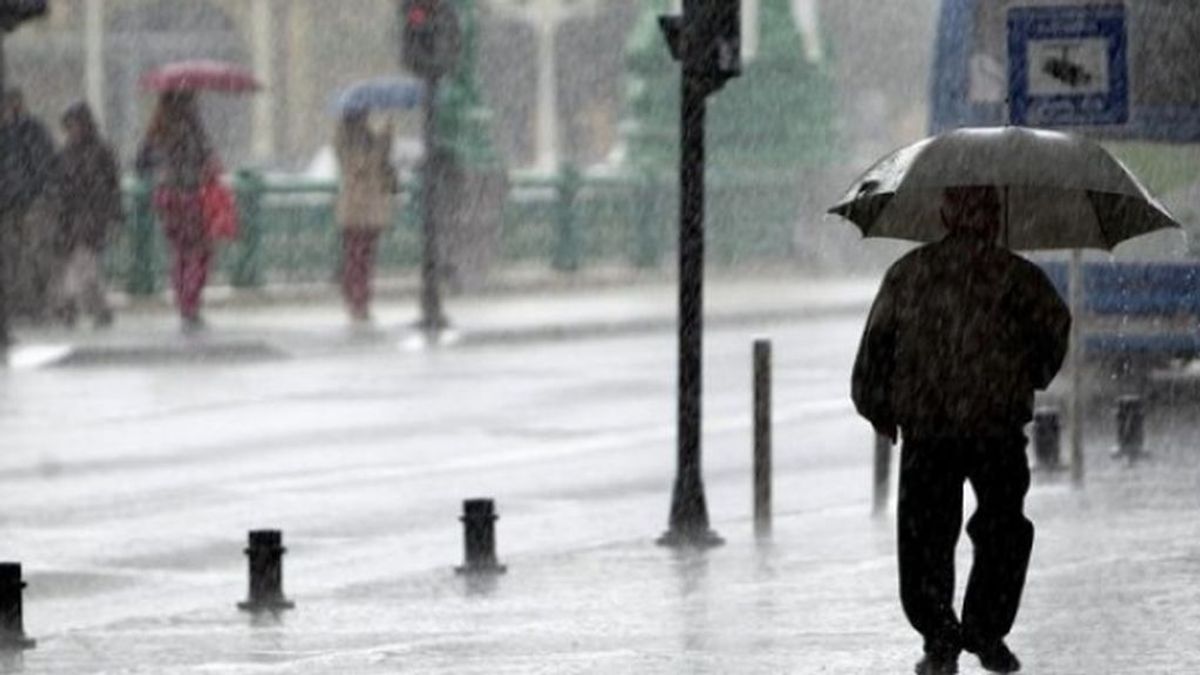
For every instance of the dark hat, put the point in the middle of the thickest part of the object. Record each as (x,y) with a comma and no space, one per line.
(80,113)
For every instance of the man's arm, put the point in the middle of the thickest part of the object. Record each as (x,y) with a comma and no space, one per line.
(871,381)
(1049,324)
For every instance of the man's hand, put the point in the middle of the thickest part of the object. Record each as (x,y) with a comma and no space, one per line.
(888,431)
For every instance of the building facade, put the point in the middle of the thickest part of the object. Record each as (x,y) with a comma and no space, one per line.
(304,52)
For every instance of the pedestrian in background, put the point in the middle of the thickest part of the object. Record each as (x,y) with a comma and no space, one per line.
(177,156)
(27,158)
(364,204)
(90,210)
(960,336)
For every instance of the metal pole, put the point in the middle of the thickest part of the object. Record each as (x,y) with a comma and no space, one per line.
(1131,428)
(262,25)
(479,538)
(689,512)
(93,71)
(5,338)
(762,437)
(432,319)
(1075,350)
(12,612)
(264,552)
(547,95)
(1046,439)
(883,470)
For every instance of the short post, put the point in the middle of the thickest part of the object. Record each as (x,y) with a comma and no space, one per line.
(1131,428)
(762,438)
(568,246)
(265,554)
(1047,439)
(12,612)
(142,277)
(247,270)
(883,467)
(479,538)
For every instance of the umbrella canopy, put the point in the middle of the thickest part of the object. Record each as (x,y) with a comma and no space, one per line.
(200,74)
(1060,191)
(384,93)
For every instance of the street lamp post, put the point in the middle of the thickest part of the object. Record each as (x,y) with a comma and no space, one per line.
(93,42)
(431,48)
(706,41)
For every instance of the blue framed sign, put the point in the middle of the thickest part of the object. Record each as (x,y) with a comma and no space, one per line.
(1068,66)
(970,78)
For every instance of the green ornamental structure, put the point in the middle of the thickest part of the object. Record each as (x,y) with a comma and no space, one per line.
(465,120)
(767,130)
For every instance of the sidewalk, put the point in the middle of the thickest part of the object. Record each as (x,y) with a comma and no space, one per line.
(1113,589)
(258,326)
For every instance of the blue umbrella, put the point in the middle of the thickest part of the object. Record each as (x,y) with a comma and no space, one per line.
(381,93)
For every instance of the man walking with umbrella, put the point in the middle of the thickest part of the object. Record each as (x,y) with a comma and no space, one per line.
(960,336)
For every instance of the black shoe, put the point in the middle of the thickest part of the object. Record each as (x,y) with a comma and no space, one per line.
(996,657)
(193,325)
(937,664)
(103,319)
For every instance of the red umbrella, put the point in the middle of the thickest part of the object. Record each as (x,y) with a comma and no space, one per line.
(200,74)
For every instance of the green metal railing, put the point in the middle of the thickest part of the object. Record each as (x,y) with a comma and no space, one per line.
(288,232)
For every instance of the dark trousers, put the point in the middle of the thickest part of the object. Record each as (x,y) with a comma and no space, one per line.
(189,275)
(932,473)
(9,224)
(358,263)
(4,336)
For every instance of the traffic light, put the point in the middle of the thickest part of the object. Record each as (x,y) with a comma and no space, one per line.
(15,12)
(714,44)
(720,28)
(432,37)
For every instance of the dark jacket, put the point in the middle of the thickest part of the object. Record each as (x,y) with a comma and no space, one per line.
(959,338)
(90,194)
(26,163)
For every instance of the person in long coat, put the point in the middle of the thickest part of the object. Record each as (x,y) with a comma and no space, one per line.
(177,156)
(364,205)
(961,335)
(89,210)
(27,156)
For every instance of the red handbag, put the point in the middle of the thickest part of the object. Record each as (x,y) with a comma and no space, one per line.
(220,208)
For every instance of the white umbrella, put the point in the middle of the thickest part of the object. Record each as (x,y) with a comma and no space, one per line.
(1060,191)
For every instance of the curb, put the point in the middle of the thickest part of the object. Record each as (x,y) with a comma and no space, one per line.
(151,345)
(550,333)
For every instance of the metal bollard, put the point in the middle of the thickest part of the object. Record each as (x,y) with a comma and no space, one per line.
(12,612)
(265,554)
(762,437)
(144,265)
(883,469)
(1131,427)
(247,269)
(479,538)
(568,249)
(1047,439)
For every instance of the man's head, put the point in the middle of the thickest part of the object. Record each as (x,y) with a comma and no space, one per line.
(12,105)
(972,209)
(78,122)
